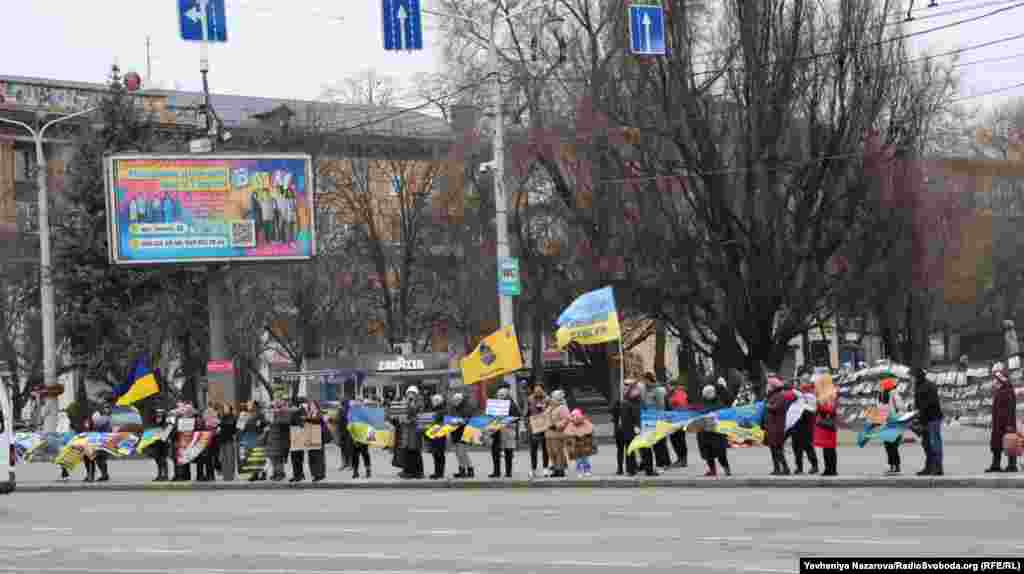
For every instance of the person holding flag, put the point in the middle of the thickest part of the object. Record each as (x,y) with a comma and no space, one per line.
(505,439)
(142,384)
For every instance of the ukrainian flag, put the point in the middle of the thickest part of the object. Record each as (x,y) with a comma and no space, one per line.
(475,428)
(443,430)
(143,385)
(589,320)
(369,426)
(498,354)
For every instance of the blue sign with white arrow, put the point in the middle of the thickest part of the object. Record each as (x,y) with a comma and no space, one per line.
(193,15)
(647,30)
(403,26)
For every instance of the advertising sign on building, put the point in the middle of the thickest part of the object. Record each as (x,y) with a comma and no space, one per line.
(508,277)
(220,208)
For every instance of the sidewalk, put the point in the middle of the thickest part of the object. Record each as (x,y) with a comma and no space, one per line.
(858,468)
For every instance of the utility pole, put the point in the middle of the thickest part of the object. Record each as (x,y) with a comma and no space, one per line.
(149,63)
(46,290)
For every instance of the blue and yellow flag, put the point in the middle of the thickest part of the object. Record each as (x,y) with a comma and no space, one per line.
(442,430)
(143,384)
(591,319)
(475,429)
(369,426)
(498,354)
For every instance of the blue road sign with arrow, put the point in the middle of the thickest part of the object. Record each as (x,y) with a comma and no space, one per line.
(403,25)
(647,30)
(191,19)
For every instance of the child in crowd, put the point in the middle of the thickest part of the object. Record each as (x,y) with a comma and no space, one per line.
(581,435)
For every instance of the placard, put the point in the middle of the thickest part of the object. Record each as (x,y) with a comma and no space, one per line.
(498,408)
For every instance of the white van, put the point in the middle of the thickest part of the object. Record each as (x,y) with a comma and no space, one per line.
(7,456)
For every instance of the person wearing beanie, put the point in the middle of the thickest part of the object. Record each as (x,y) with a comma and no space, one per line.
(891,406)
(555,437)
(412,438)
(1004,419)
(461,409)
(803,431)
(713,446)
(777,403)
(581,442)
(504,439)
(437,445)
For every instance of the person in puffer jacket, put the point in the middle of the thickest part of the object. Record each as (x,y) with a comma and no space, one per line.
(777,404)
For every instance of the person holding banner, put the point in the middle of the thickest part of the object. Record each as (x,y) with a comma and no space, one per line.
(412,437)
(679,401)
(538,423)
(777,404)
(505,439)
(803,431)
(461,409)
(890,406)
(100,423)
(713,446)
(437,445)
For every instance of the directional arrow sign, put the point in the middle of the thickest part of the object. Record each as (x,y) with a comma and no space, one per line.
(403,28)
(190,19)
(647,30)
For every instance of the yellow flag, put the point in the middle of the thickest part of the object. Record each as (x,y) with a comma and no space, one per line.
(143,387)
(498,354)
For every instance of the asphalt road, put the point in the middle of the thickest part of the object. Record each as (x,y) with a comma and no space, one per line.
(960,460)
(521,532)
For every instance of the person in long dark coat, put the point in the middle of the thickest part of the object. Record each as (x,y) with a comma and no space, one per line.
(1004,420)
(776,405)
(438,445)
(505,439)
(535,405)
(713,446)
(412,439)
(629,419)
(278,440)
(929,413)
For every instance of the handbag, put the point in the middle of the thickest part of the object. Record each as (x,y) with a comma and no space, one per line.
(1013,443)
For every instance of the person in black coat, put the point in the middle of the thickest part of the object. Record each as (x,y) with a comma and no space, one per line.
(929,409)
(620,436)
(438,445)
(1004,420)
(629,419)
(462,409)
(803,430)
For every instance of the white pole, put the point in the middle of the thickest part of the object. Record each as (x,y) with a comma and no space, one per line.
(622,369)
(506,310)
(47,305)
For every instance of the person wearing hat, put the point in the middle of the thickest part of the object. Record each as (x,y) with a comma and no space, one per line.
(537,402)
(462,409)
(892,406)
(631,424)
(1004,419)
(713,446)
(504,439)
(777,403)
(412,441)
(555,439)
(437,445)
(803,431)
(159,449)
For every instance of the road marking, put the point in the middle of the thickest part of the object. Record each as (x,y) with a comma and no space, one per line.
(441,532)
(428,510)
(726,539)
(776,515)
(903,517)
(640,514)
(165,551)
(598,564)
(45,529)
(871,541)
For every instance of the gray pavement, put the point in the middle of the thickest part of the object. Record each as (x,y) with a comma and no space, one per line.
(533,531)
(964,466)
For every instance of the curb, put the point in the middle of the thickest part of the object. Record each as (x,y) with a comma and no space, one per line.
(599,483)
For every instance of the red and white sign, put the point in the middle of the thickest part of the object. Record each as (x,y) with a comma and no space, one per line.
(220,367)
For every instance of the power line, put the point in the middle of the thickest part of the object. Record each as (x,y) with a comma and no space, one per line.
(990,92)
(940,14)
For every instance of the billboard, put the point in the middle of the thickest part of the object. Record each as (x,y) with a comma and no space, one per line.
(209,208)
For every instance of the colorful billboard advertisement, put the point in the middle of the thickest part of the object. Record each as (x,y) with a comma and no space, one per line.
(210,208)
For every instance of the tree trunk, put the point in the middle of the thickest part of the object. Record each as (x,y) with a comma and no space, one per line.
(660,342)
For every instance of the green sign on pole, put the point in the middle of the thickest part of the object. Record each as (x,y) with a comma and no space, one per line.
(508,277)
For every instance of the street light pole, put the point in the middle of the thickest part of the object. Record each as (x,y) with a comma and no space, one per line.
(47,306)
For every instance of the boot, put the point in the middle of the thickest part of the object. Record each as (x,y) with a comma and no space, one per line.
(783,465)
(508,463)
(102,464)
(997,456)
(90,471)
(496,461)
(1011,465)
(798,463)
(712,470)
(462,473)
(470,473)
(726,468)
(814,467)
(776,470)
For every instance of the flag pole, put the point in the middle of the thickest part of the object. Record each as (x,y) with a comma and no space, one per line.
(622,369)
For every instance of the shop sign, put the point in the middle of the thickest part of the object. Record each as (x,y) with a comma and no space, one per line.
(401,364)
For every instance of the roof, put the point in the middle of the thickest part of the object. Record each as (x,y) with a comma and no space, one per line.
(241,111)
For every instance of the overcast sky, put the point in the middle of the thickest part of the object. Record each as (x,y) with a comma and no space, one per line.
(290,49)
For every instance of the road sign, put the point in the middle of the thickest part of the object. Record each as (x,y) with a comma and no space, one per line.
(191,18)
(508,277)
(403,25)
(647,30)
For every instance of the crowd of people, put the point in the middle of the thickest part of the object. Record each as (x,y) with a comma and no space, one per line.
(257,443)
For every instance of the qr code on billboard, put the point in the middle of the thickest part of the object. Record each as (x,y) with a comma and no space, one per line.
(243,233)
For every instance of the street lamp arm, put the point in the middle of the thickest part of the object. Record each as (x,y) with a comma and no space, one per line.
(67,117)
(21,124)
